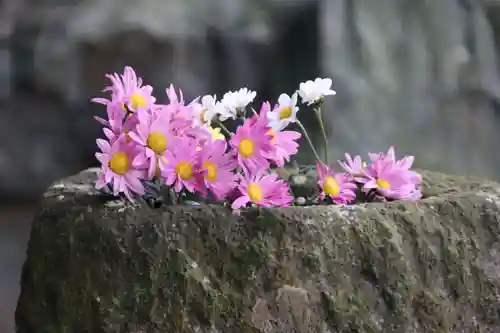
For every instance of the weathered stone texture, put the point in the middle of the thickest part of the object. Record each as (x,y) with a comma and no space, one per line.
(427,266)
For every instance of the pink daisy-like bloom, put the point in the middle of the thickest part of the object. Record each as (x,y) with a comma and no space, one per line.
(390,180)
(282,142)
(183,121)
(173,97)
(404,163)
(339,187)
(182,168)
(353,166)
(182,127)
(118,122)
(153,136)
(115,114)
(217,168)
(177,106)
(284,146)
(116,167)
(200,134)
(252,144)
(389,155)
(262,189)
(127,89)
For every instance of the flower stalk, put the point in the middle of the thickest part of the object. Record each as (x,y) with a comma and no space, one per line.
(317,111)
(304,131)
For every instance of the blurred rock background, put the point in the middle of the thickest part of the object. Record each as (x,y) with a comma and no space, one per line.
(419,74)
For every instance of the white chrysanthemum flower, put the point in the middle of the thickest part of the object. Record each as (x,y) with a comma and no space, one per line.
(313,92)
(285,112)
(205,110)
(210,108)
(235,102)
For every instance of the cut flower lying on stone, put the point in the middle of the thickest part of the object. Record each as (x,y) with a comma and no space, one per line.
(188,151)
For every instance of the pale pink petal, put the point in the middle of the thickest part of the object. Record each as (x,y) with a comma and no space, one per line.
(135,184)
(240,202)
(101,182)
(136,138)
(103,145)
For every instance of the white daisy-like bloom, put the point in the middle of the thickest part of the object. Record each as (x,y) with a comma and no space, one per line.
(235,102)
(313,92)
(284,113)
(210,109)
(205,109)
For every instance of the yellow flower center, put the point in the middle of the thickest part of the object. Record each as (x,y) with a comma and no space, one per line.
(157,142)
(254,192)
(119,163)
(330,186)
(286,113)
(246,148)
(184,170)
(216,134)
(273,134)
(137,100)
(383,184)
(211,170)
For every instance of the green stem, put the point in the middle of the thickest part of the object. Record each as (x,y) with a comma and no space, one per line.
(309,141)
(224,128)
(317,110)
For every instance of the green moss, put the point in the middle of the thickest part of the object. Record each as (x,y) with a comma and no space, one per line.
(346,312)
(311,260)
(247,259)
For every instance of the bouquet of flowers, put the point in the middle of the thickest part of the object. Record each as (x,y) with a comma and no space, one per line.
(187,149)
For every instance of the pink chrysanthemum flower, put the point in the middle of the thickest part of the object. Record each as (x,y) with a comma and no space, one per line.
(177,106)
(154,136)
(284,146)
(390,180)
(262,189)
(183,123)
(353,166)
(282,142)
(118,122)
(404,163)
(127,89)
(200,134)
(182,169)
(389,155)
(216,167)
(340,188)
(173,98)
(252,144)
(117,170)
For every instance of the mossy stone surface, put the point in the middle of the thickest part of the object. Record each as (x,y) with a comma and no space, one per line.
(108,266)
